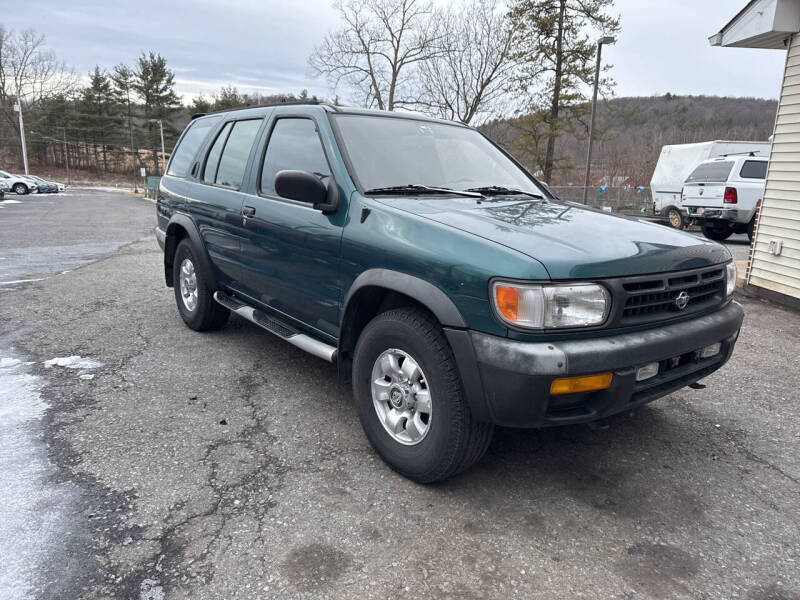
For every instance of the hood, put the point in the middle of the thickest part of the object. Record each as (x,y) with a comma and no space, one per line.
(570,240)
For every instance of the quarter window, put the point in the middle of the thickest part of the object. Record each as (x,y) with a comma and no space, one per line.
(754,169)
(294,144)
(235,152)
(189,144)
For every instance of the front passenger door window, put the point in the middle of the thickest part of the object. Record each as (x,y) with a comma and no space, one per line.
(294,144)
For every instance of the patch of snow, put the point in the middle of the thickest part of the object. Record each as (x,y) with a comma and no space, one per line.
(37,512)
(87,376)
(150,589)
(13,281)
(11,201)
(72,362)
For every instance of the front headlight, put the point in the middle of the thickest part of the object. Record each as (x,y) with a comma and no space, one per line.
(551,306)
(730,278)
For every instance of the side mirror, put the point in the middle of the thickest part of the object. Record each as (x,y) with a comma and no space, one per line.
(303,186)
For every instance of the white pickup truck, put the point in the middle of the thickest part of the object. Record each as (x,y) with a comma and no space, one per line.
(722,195)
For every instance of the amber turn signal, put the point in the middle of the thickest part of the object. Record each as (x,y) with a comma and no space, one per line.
(581,383)
(507,301)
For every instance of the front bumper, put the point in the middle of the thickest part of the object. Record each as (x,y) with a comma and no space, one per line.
(161,238)
(515,376)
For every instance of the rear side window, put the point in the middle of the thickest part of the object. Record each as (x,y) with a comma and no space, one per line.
(711,172)
(190,142)
(212,162)
(754,169)
(294,144)
(235,152)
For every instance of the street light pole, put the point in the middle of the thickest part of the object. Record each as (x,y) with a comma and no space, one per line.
(18,108)
(603,40)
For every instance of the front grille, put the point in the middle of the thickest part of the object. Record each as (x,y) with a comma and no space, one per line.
(661,297)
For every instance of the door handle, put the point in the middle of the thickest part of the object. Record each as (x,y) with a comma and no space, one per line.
(248,211)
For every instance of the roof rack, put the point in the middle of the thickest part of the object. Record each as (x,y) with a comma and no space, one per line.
(284,103)
(748,153)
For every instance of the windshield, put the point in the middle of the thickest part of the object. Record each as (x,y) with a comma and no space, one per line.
(394,151)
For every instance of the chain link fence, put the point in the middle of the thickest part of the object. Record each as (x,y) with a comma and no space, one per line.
(628,200)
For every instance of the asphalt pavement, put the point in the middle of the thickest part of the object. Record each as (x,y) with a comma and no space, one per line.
(149,461)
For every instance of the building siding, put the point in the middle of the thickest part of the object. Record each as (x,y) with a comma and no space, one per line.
(779,217)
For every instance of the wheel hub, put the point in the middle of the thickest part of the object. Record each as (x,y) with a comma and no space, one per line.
(401,396)
(188,284)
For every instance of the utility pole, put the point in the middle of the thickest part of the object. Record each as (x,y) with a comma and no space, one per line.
(600,42)
(66,153)
(163,152)
(18,108)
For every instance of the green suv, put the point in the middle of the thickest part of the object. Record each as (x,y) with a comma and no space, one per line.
(453,289)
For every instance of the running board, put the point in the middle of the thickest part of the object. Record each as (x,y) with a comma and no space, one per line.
(277,327)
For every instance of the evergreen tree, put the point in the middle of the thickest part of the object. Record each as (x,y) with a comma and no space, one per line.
(99,114)
(557,56)
(122,77)
(200,105)
(154,83)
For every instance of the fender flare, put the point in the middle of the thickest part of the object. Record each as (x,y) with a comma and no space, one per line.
(204,263)
(424,292)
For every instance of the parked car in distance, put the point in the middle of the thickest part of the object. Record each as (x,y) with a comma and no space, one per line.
(722,195)
(19,184)
(4,187)
(45,186)
(444,281)
(677,161)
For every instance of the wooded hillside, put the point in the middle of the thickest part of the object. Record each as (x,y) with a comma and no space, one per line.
(632,130)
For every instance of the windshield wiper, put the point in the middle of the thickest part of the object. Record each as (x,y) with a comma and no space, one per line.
(499,190)
(415,187)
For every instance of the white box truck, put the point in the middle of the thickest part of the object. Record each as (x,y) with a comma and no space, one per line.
(677,161)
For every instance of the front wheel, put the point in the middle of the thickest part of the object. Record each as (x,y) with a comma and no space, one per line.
(20,189)
(717,231)
(194,298)
(410,398)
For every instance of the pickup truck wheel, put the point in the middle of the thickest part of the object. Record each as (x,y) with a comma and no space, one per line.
(195,300)
(751,228)
(676,219)
(410,399)
(20,189)
(717,231)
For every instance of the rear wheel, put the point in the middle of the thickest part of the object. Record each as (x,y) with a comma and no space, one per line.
(717,231)
(194,298)
(410,398)
(751,228)
(676,219)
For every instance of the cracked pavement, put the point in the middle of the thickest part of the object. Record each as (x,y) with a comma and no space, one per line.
(232,465)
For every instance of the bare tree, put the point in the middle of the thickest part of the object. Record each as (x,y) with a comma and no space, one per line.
(29,73)
(469,77)
(374,50)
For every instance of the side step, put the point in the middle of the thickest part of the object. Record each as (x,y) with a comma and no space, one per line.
(277,327)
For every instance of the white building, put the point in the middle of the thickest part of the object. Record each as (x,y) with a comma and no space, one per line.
(773,269)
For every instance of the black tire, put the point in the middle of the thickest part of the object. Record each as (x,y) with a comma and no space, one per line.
(20,189)
(717,231)
(455,440)
(675,217)
(751,229)
(207,314)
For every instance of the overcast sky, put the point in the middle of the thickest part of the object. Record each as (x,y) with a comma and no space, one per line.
(263,45)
